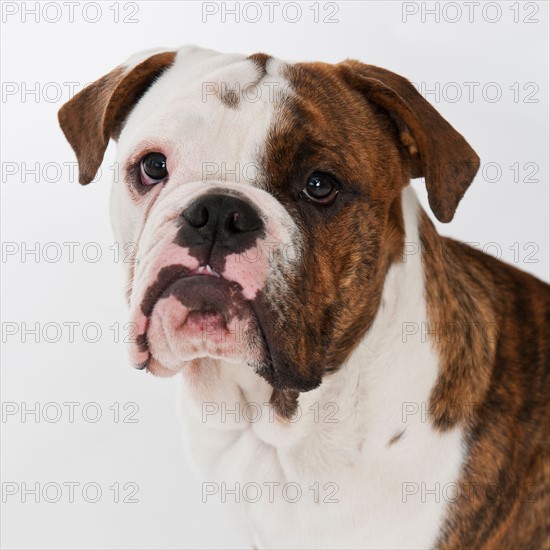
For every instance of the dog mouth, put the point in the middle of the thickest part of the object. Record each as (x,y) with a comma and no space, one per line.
(172,275)
(191,313)
(187,314)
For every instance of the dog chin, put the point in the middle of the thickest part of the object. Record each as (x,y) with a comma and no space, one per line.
(201,317)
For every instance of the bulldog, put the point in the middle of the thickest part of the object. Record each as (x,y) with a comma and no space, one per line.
(349,378)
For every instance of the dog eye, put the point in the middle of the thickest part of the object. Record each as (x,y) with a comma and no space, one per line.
(320,189)
(153,168)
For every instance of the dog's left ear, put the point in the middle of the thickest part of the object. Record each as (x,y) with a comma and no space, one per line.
(437,151)
(98,112)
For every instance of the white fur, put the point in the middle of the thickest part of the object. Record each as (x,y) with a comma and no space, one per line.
(353,454)
(198,133)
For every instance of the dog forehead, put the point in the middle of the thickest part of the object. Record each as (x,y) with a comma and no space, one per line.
(209,108)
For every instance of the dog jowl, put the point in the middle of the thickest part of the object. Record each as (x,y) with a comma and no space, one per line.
(270,204)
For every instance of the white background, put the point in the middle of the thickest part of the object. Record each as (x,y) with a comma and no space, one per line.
(170,513)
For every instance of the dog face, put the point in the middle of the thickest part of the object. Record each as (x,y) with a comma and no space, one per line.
(264,200)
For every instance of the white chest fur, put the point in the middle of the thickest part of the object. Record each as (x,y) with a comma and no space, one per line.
(334,478)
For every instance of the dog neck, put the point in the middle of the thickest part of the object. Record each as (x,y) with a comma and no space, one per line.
(365,431)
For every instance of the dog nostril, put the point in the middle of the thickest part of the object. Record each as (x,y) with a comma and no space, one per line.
(196,216)
(238,222)
(232,223)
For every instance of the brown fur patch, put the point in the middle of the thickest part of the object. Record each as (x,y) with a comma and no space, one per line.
(230,98)
(491,328)
(260,60)
(461,318)
(333,297)
(284,402)
(395,438)
(349,121)
(488,316)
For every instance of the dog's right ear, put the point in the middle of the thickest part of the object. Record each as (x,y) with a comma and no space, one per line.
(98,112)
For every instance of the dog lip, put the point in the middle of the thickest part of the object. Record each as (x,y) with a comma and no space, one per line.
(180,273)
(184,273)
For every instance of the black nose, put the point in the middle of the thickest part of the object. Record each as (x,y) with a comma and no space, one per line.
(216,225)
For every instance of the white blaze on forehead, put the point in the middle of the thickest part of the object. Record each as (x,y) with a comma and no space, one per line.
(198,130)
(203,138)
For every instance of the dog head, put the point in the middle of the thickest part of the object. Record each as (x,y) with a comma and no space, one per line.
(264,200)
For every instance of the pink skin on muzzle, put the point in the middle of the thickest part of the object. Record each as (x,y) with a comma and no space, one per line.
(169,337)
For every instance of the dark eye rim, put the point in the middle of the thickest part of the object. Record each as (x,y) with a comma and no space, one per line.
(144,175)
(329,199)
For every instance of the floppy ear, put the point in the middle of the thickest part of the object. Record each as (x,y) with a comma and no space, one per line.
(99,111)
(437,151)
